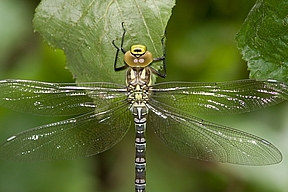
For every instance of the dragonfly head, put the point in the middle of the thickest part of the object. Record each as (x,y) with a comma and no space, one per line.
(138,56)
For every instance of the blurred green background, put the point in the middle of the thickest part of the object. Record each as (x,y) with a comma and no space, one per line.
(200,47)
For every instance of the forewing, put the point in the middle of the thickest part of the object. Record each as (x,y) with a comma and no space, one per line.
(225,98)
(81,136)
(203,140)
(57,99)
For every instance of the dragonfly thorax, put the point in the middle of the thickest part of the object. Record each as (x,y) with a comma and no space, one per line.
(138,81)
(138,56)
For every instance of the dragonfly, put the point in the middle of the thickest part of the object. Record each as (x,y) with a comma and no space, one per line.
(103,113)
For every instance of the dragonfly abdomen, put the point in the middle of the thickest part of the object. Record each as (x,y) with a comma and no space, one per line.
(140,116)
(140,158)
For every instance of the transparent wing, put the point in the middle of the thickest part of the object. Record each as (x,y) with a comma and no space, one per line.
(56,99)
(225,98)
(196,138)
(81,136)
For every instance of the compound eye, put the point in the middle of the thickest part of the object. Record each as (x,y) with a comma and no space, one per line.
(133,60)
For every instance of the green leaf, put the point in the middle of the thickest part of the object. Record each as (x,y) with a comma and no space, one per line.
(263,40)
(85,30)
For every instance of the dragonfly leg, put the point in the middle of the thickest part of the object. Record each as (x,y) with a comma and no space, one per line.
(163,58)
(118,49)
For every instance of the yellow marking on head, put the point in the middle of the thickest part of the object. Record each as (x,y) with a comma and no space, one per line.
(138,50)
